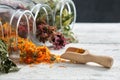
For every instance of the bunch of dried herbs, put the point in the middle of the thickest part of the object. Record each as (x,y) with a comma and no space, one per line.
(46,32)
(58,40)
(43,29)
(6,64)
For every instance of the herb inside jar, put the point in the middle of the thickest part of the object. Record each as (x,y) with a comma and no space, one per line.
(66,17)
(45,31)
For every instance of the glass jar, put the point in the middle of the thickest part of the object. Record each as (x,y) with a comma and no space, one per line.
(65,14)
(15,26)
(43,14)
(44,20)
(1,30)
(18,4)
(22,24)
(65,18)
(5,15)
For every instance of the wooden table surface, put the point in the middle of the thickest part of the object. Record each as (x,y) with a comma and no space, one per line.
(98,38)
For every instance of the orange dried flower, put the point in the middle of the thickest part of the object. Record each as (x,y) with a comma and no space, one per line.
(30,53)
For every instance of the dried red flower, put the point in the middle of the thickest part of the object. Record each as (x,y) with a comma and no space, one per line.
(44,32)
(58,40)
(22,31)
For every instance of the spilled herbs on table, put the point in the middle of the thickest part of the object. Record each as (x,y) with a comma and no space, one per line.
(6,64)
(30,53)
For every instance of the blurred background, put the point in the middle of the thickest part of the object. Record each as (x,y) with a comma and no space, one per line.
(99,11)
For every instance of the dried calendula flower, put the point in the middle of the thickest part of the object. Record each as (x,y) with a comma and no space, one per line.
(80,50)
(30,53)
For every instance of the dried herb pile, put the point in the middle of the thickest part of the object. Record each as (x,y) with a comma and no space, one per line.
(30,53)
(6,64)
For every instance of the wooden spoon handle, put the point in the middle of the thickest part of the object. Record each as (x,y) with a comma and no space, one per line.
(102,60)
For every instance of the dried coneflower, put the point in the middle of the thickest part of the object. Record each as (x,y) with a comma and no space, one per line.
(22,31)
(58,40)
(44,32)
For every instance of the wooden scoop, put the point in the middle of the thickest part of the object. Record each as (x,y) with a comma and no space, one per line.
(83,56)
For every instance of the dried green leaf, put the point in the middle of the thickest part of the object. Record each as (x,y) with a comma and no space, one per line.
(6,64)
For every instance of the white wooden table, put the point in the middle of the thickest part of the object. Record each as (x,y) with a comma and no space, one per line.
(98,38)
